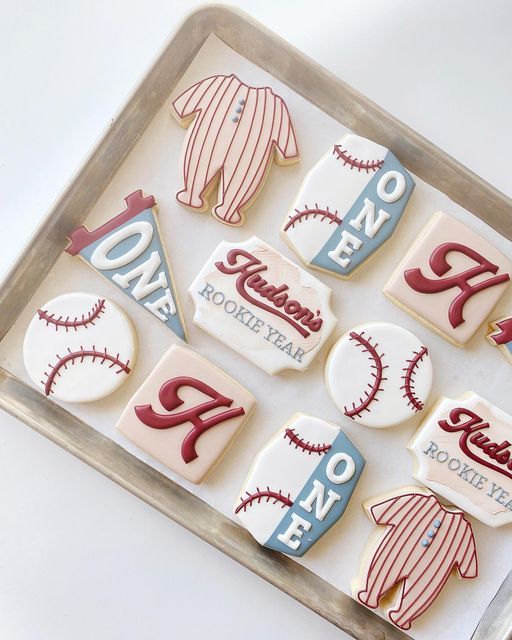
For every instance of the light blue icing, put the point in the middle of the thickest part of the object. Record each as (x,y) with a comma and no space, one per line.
(318,528)
(425,543)
(431,534)
(437,524)
(173,321)
(370,245)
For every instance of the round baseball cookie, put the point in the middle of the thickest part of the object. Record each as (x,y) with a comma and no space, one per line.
(379,374)
(79,347)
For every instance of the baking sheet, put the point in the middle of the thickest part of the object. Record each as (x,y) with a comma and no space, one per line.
(190,238)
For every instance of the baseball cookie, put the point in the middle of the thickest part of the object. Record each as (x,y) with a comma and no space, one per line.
(349,204)
(234,133)
(128,251)
(451,279)
(500,335)
(463,452)
(379,374)
(79,347)
(408,564)
(299,485)
(186,413)
(262,305)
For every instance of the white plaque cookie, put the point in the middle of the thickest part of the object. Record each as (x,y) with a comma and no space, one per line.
(450,279)
(379,374)
(262,305)
(463,452)
(348,206)
(79,347)
(299,485)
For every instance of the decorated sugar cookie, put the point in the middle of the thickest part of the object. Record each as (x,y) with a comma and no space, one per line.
(463,452)
(262,305)
(234,133)
(423,544)
(186,413)
(299,485)
(79,347)
(128,251)
(379,374)
(451,279)
(500,335)
(348,206)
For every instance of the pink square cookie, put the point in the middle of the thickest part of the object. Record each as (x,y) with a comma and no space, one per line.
(186,413)
(451,279)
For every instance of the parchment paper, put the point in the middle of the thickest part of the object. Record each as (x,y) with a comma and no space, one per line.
(189,237)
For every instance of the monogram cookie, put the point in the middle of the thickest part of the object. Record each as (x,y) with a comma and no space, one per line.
(128,251)
(299,485)
(186,413)
(463,452)
(348,206)
(379,374)
(262,305)
(451,279)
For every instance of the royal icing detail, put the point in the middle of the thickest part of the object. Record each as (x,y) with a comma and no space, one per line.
(500,335)
(463,452)
(451,279)
(79,347)
(236,133)
(379,374)
(263,306)
(422,545)
(299,485)
(128,251)
(349,204)
(186,413)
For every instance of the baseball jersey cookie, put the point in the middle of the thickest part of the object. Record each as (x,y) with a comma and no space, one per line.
(262,305)
(463,452)
(186,413)
(79,347)
(451,279)
(500,335)
(423,544)
(349,204)
(379,374)
(299,485)
(234,133)
(128,251)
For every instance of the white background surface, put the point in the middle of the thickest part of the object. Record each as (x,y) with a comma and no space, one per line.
(80,557)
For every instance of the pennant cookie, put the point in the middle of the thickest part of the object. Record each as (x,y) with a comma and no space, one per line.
(128,251)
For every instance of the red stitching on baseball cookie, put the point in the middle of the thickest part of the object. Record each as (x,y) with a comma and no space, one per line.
(377,375)
(325,214)
(267,495)
(408,378)
(67,324)
(80,355)
(360,165)
(299,443)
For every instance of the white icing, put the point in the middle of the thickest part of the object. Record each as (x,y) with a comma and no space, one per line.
(99,257)
(163,307)
(292,536)
(317,498)
(367,213)
(398,190)
(86,379)
(349,374)
(145,271)
(347,473)
(346,245)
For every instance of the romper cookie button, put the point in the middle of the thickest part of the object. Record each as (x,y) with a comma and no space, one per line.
(425,543)
(241,101)
(238,109)
(235,118)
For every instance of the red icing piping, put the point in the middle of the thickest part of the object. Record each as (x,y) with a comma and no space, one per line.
(299,443)
(503,332)
(408,378)
(81,237)
(377,375)
(71,356)
(266,495)
(84,321)
(360,165)
(317,211)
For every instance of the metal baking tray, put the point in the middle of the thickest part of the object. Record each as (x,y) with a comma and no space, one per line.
(265,49)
